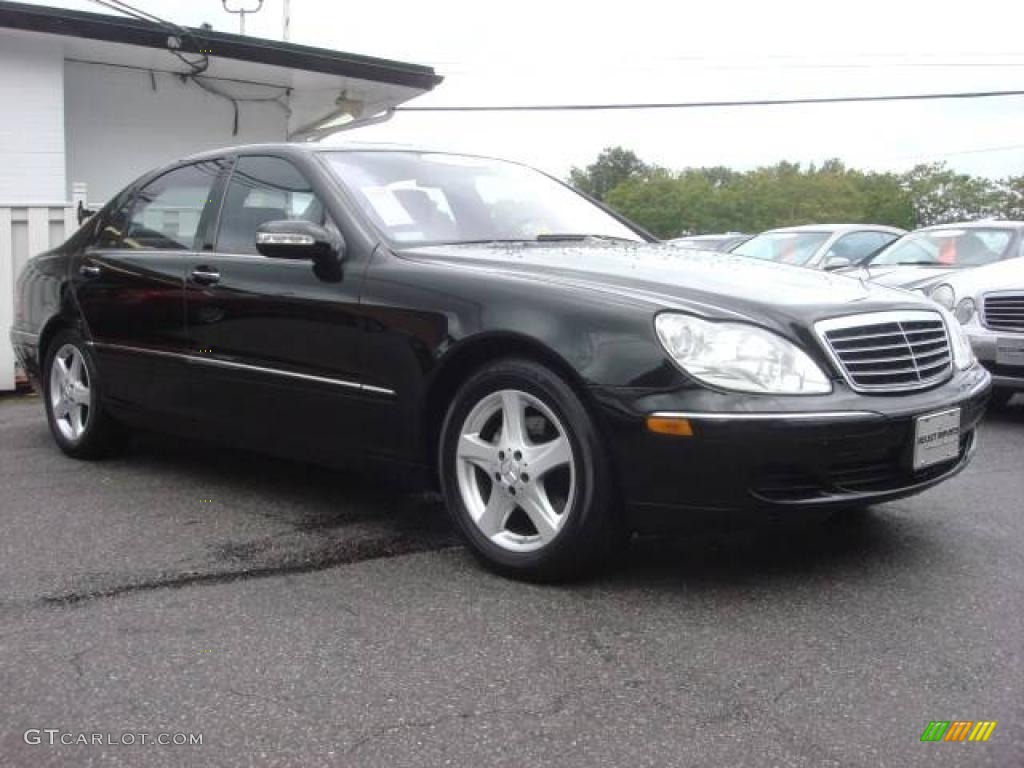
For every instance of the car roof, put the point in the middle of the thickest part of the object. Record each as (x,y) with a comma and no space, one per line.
(835,228)
(984,224)
(297,147)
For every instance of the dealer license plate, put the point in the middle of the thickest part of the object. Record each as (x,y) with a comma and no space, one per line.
(1009,351)
(936,438)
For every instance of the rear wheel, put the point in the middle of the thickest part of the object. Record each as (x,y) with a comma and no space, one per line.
(524,473)
(71,390)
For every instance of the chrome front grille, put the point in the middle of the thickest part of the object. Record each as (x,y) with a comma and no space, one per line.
(1004,312)
(889,351)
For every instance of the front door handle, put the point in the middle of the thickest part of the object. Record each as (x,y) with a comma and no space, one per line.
(205,275)
(90,270)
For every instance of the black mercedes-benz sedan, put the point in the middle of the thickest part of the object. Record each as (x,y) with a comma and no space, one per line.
(476,323)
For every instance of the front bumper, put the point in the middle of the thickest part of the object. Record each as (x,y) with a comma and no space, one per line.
(983,342)
(752,453)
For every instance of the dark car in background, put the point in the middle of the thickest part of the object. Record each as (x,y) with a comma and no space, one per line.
(819,246)
(921,259)
(479,325)
(724,241)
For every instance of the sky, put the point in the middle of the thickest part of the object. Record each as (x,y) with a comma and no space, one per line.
(548,52)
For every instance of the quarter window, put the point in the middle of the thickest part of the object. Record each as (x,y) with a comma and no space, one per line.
(167,212)
(114,226)
(264,189)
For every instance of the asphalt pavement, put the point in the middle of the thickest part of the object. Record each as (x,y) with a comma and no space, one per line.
(295,616)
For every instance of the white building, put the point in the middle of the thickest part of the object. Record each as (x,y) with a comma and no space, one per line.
(89,101)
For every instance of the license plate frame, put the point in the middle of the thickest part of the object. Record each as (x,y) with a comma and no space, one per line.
(936,438)
(1009,351)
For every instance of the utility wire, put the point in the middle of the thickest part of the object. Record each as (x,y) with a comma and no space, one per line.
(706,104)
(196,66)
(955,153)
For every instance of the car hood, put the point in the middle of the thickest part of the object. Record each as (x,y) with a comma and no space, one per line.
(905,276)
(1001,276)
(704,282)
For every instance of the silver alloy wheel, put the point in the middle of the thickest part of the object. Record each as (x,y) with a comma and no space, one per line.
(70,393)
(511,448)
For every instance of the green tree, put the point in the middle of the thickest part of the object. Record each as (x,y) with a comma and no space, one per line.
(718,199)
(941,195)
(613,166)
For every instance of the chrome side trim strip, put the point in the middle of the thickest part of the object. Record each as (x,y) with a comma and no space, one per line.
(24,334)
(217,363)
(777,416)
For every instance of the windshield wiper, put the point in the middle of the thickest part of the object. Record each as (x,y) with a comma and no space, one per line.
(485,241)
(544,238)
(921,264)
(572,236)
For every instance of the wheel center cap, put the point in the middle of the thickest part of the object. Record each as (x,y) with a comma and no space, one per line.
(509,471)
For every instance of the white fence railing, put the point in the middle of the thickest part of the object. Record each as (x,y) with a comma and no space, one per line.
(25,230)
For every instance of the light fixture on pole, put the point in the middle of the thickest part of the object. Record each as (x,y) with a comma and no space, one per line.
(242,11)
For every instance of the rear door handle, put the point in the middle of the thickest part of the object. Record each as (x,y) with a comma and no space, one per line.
(205,275)
(90,270)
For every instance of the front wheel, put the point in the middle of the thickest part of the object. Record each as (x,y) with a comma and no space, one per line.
(525,475)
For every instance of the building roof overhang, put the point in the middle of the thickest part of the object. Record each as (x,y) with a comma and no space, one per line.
(323,90)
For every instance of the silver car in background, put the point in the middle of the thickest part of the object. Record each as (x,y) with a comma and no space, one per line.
(988,301)
(820,246)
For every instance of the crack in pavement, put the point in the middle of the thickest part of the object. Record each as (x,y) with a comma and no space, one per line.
(557,705)
(323,560)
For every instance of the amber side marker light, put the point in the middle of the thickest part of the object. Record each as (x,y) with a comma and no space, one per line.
(668,425)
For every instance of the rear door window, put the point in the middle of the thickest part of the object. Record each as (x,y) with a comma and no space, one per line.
(167,212)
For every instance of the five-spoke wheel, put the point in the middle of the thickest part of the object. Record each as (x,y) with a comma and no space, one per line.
(70,395)
(515,470)
(525,474)
(71,388)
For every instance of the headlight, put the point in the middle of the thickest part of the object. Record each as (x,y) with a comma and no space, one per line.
(963,355)
(943,295)
(965,311)
(739,357)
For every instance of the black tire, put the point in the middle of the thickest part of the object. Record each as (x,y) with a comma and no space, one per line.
(591,530)
(100,435)
(1001,398)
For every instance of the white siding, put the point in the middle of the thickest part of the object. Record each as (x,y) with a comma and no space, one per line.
(25,230)
(119,127)
(31,120)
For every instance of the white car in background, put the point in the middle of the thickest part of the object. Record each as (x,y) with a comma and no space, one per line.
(988,302)
(926,257)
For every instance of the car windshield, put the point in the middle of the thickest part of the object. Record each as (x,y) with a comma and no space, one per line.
(419,198)
(947,248)
(785,247)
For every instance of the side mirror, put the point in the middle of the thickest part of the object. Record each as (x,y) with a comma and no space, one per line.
(296,239)
(837,262)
